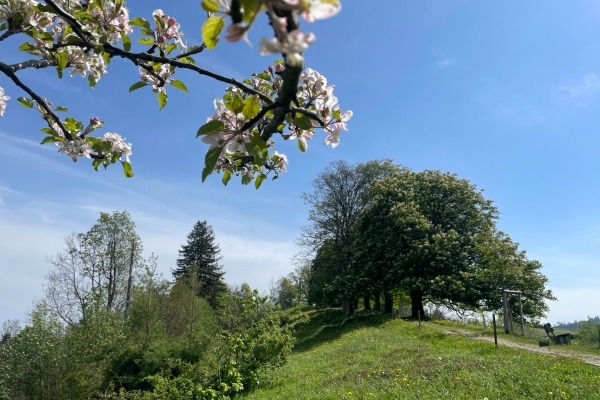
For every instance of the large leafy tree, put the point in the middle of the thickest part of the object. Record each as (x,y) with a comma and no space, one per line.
(419,234)
(339,196)
(202,254)
(98,265)
(502,265)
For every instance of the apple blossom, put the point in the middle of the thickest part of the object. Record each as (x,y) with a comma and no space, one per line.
(297,42)
(111,21)
(3,99)
(83,36)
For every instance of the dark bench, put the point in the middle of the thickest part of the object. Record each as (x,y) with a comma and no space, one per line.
(565,338)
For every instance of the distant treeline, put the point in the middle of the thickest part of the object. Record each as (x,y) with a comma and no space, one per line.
(576,324)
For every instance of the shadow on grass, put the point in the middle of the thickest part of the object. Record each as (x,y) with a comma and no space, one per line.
(330,324)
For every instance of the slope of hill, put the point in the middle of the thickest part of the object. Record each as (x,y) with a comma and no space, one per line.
(377,357)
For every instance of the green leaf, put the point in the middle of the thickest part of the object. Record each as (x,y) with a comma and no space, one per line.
(146,31)
(106,58)
(233,102)
(61,109)
(246,179)
(251,107)
(118,5)
(162,99)
(179,85)
(137,86)
(25,102)
(210,6)
(250,9)
(279,62)
(257,148)
(259,179)
(140,22)
(50,131)
(210,160)
(226,177)
(127,169)
(26,46)
(51,139)
(2,27)
(148,41)
(210,127)
(98,4)
(17,19)
(62,59)
(210,31)
(302,145)
(303,122)
(171,47)
(95,163)
(92,81)
(126,41)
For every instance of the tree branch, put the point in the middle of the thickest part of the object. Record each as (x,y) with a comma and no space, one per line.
(77,27)
(11,32)
(197,50)
(115,51)
(8,71)
(258,116)
(34,64)
(309,114)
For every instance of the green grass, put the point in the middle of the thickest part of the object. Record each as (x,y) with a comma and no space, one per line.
(377,357)
(532,336)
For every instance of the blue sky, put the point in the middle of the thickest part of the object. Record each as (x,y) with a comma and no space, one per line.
(504,94)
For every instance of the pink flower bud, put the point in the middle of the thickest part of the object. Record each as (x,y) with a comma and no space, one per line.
(94,121)
(162,39)
(279,68)
(172,21)
(271,69)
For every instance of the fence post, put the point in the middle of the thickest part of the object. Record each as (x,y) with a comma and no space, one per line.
(599,338)
(495,336)
(419,314)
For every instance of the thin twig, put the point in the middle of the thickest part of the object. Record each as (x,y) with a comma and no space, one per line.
(7,70)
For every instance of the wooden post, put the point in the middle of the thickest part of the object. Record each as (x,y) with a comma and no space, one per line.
(599,338)
(522,324)
(505,310)
(495,336)
(419,315)
(483,318)
(130,279)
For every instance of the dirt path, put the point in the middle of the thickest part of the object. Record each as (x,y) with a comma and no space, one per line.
(550,350)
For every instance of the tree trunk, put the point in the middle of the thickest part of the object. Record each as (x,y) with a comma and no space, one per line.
(367,301)
(388,303)
(416,299)
(377,302)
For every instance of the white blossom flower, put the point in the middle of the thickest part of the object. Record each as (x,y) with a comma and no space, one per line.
(297,42)
(3,98)
(333,138)
(118,144)
(75,148)
(164,72)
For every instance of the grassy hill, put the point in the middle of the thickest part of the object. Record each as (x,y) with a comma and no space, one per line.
(378,357)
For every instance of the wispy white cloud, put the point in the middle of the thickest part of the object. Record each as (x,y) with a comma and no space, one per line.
(446,62)
(580,91)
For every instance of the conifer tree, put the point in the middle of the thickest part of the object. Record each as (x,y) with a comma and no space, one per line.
(203,253)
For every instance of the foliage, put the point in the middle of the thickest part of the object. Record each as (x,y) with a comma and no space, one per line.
(83,38)
(589,331)
(340,193)
(419,235)
(95,266)
(202,254)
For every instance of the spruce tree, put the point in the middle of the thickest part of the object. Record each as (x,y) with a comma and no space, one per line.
(203,253)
